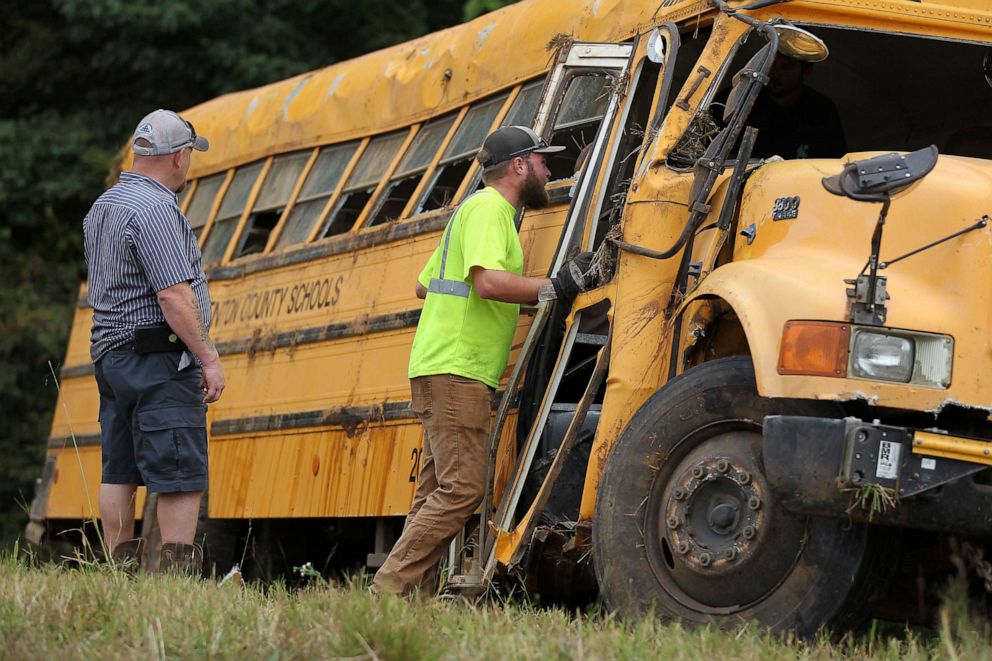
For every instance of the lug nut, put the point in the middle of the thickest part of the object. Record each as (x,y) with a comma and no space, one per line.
(745,478)
(748,532)
(730,554)
(722,465)
(678,494)
(673,522)
(706,559)
(698,472)
(753,503)
(682,548)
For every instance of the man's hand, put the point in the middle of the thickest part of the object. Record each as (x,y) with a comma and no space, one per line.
(212,381)
(572,277)
(181,312)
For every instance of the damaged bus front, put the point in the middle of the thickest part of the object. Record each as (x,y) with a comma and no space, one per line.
(789,414)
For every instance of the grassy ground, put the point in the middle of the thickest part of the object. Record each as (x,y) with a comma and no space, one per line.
(96,612)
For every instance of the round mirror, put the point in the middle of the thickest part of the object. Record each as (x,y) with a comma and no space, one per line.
(800,44)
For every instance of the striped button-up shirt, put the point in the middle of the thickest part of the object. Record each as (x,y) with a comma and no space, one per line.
(137,243)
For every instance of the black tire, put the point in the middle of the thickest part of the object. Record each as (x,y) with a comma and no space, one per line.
(681,484)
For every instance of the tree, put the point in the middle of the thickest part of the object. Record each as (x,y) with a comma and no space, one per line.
(75,76)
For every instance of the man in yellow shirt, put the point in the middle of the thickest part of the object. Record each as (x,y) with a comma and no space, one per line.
(473,286)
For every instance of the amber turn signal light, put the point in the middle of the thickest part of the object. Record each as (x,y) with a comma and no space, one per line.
(815,348)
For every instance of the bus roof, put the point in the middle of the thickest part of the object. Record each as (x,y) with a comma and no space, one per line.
(428,76)
(406,83)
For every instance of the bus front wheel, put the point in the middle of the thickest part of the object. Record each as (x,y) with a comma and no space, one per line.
(686,526)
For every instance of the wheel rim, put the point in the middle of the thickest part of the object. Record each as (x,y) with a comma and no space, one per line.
(715,540)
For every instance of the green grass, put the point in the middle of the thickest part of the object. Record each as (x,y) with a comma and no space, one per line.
(92,611)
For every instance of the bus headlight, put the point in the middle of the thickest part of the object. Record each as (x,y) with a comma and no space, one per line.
(921,359)
(882,357)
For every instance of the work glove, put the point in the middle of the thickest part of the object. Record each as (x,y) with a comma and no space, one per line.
(573,277)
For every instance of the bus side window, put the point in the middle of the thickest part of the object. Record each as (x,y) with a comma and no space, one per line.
(363,182)
(230,212)
(203,201)
(525,105)
(410,171)
(320,184)
(271,201)
(577,121)
(458,156)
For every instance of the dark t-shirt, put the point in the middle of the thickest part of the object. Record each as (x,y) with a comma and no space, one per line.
(810,128)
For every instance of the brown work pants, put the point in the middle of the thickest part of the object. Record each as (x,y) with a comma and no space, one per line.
(455,413)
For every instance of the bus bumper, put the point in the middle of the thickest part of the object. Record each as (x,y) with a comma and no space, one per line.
(879,474)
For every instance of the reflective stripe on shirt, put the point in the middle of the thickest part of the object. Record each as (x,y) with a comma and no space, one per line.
(439,285)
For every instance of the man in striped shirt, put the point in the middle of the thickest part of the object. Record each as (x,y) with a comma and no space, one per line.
(155,366)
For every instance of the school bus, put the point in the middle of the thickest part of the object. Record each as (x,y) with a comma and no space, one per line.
(770,409)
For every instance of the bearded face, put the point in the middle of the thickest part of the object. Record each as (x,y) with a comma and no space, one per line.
(532,193)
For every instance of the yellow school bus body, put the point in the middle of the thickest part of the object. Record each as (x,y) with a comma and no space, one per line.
(315,422)
(360,472)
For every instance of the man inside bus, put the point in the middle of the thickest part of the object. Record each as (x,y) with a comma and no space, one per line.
(794,120)
(473,285)
(154,363)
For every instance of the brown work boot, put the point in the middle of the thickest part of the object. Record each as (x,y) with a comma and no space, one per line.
(127,554)
(181,559)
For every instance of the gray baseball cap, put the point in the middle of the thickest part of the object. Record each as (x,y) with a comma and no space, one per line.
(168,133)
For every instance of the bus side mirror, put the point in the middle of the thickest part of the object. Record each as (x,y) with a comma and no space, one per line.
(800,44)
(656,47)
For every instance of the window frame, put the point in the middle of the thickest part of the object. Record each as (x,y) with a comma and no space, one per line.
(554,109)
(362,219)
(428,170)
(218,202)
(291,203)
(263,175)
(208,226)
(429,181)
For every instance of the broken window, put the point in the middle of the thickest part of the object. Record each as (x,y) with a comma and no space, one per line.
(271,202)
(579,116)
(203,201)
(525,105)
(230,212)
(410,171)
(363,182)
(458,156)
(320,184)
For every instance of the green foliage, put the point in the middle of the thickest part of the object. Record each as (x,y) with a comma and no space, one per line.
(75,77)
(475,8)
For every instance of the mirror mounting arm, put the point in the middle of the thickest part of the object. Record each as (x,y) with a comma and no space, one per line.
(733,11)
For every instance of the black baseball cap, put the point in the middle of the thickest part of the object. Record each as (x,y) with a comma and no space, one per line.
(510,142)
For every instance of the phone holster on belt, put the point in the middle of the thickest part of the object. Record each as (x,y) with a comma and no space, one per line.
(156,338)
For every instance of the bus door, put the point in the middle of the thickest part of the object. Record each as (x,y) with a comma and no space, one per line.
(597,103)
